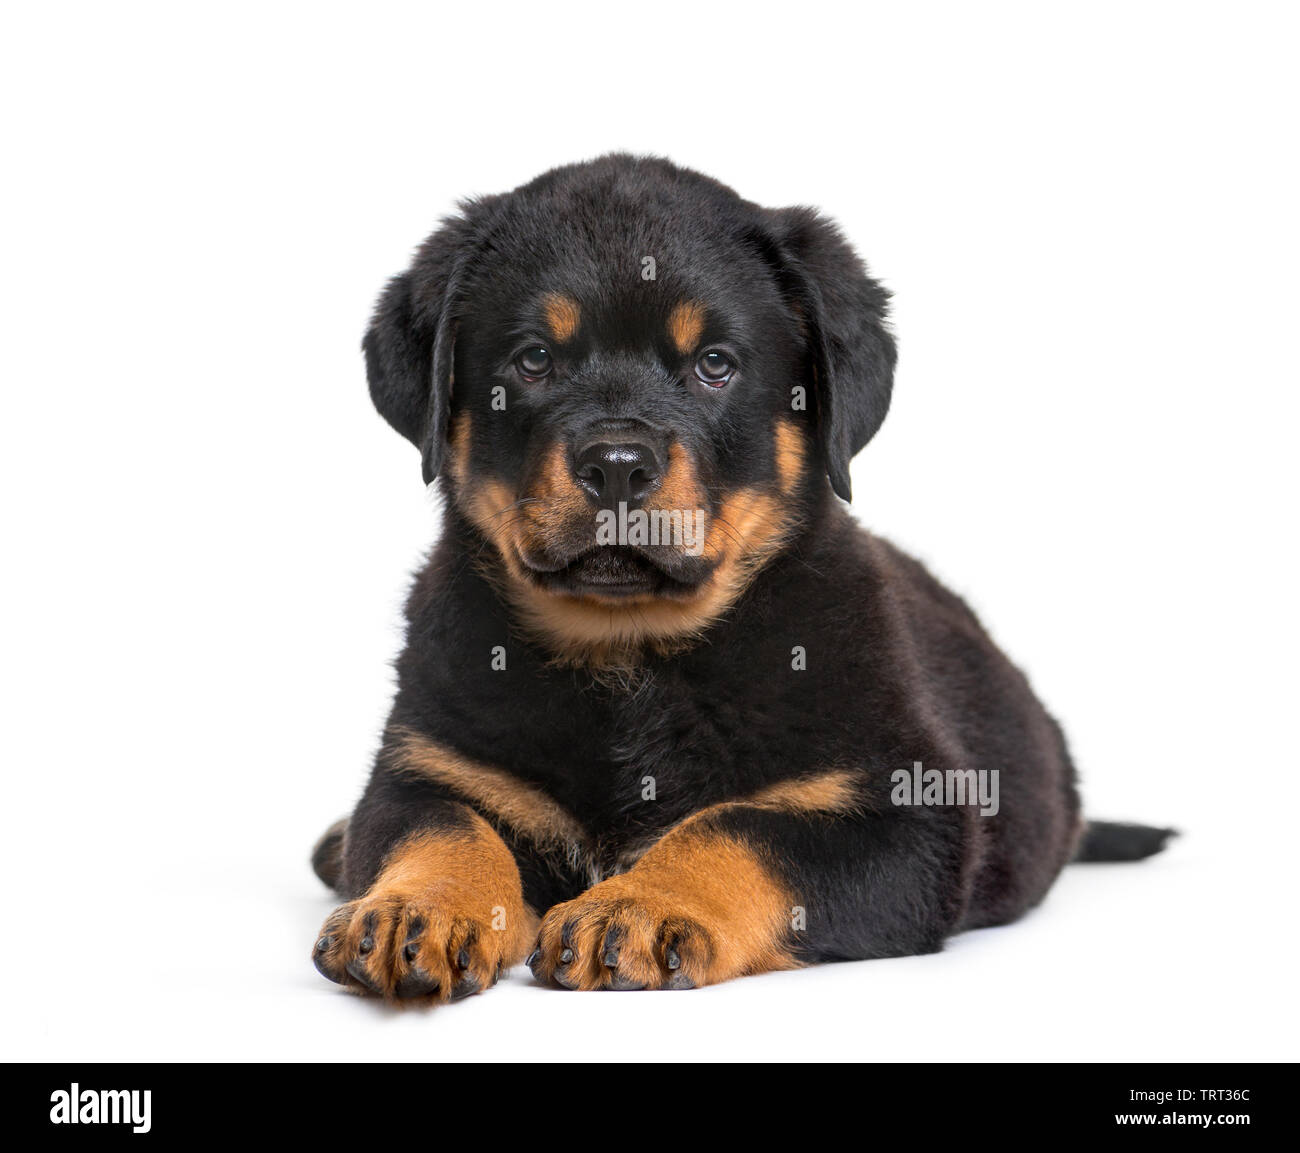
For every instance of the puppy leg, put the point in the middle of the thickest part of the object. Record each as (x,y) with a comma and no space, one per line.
(443,916)
(738,890)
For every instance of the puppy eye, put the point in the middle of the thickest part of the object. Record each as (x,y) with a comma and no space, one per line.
(534,363)
(714,369)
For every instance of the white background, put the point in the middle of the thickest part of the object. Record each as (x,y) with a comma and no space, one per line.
(1088,215)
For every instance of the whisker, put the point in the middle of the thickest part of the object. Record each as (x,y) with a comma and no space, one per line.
(523,500)
(732,531)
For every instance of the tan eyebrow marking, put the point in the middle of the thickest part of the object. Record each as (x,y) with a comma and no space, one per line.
(562,315)
(686,324)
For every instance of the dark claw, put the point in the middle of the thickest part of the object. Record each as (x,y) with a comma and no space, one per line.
(565,982)
(367,944)
(417,983)
(465,987)
(323,944)
(532,959)
(462,959)
(671,959)
(411,951)
(609,958)
(621,982)
(357,970)
(331,974)
(566,955)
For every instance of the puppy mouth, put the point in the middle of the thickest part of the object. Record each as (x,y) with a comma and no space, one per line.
(617,572)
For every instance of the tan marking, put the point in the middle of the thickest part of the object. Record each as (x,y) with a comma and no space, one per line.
(729,914)
(562,315)
(751,525)
(561,507)
(747,532)
(789,455)
(439,891)
(523,807)
(606,634)
(458,436)
(679,488)
(832,791)
(800,320)
(685,325)
(490,506)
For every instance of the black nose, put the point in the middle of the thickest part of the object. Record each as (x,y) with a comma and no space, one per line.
(614,474)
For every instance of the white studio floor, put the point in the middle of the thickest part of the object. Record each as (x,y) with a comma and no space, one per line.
(1166,961)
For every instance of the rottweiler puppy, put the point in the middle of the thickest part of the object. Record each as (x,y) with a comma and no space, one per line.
(666,714)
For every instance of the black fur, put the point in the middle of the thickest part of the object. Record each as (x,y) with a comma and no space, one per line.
(898,669)
(1110,841)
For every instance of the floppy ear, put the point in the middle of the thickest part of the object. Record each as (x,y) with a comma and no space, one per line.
(409,345)
(853,350)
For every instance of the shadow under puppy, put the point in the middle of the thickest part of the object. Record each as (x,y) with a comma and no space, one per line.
(661,694)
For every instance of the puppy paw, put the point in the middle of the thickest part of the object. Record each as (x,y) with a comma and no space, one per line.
(616,941)
(441,921)
(406,947)
(698,908)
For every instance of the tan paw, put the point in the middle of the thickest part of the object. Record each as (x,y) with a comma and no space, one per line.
(406,947)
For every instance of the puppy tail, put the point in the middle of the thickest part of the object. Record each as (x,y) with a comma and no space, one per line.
(1110,841)
(327,856)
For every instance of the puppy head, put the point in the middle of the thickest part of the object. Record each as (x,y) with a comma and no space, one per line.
(633,384)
